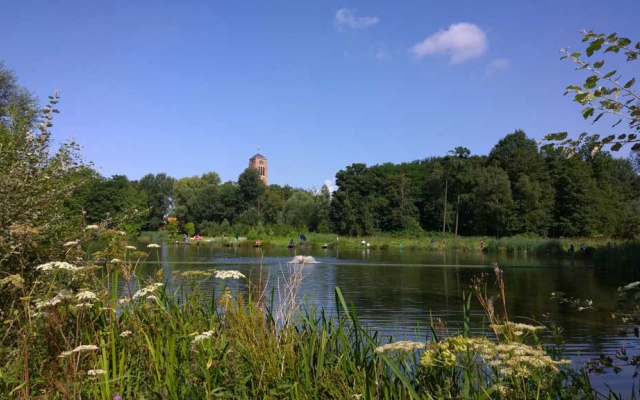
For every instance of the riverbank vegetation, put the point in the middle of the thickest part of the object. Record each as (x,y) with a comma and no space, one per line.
(93,329)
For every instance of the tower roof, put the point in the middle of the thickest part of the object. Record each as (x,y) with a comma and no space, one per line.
(258,155)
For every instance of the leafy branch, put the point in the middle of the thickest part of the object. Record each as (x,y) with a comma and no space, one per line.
(603,93)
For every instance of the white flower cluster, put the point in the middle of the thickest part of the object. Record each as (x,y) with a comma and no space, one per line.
(147,290)
(57,265)
(92,227)
(230,274)
(72,243)
(86,295)
(55,300)
(96,372)
(153,246)
(79,349)
(125,333)
(202,336)
(131,247)
(404,346)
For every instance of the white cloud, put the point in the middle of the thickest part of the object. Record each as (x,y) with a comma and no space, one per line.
(346,19)
(462,41)
(498,65)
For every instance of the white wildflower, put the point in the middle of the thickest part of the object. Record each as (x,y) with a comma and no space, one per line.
(147,290)
(125,333)
(95,372)
(232,274)
(131,247)
(65,354)
(56,264)
(55,300)
(85,347)
(72,243)
(203,336)
(92,227)
(401,347)
(152,297)
(123,300)
(83,305)
(121,233)
(67,266)
(48,303)
(153,246)
(86,295)
(116,260)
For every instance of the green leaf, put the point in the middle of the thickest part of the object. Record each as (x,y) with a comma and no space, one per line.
(588,112)
(598,64)
(616,146)
(598,117)
(608,139)
(612,38)
(622,137)
(576,54)
(623,42)
(594,46)
(556,136)
(635,147)
(610,74)
(591,82)
(630,83)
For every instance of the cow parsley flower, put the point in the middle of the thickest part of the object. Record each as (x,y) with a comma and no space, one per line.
(230,274)
(131,247)
(153,246)
(125,333)
(86,295)
(72,243)
(96,372)
(85,347)
(202,336)
(92,227)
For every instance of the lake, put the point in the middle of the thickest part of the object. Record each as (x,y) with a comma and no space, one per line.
(399,292)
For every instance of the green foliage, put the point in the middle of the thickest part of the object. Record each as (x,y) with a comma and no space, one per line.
(35,179)
(158,189)
(604,93)
(190,228)
(172,228)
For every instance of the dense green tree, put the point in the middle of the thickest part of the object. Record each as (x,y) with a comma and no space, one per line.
(197,199)
(116,198)
(159,191)
(272,203)
(323,217)
(251,187)
(301,211)
(532,191)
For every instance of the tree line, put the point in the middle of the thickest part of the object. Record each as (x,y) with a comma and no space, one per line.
(518,188)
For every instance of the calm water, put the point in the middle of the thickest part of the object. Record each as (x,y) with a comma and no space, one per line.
(397,291)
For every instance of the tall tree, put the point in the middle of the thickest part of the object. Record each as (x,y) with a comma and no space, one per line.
(159,191)
(250,187)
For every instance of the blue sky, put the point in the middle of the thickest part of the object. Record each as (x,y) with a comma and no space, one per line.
(195,86)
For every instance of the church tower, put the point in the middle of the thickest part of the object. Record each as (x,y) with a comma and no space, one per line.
(260,163)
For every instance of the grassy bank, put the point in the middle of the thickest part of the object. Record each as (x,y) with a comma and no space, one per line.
(433,242)
(73,334)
